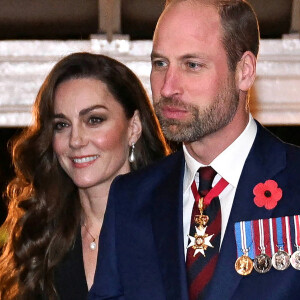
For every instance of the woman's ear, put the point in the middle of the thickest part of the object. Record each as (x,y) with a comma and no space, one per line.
(246,71)
(135,128)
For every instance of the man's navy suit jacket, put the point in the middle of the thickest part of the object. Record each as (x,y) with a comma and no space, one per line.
(141,252)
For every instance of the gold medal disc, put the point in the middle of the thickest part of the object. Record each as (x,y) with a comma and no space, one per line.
(244,265)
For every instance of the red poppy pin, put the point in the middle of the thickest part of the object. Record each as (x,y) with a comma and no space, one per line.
(267,194)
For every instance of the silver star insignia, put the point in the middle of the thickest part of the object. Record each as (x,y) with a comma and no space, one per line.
(200,241)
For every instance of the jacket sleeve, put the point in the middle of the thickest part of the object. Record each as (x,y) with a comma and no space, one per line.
(107,283)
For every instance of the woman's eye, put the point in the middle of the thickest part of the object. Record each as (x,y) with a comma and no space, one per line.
(95,120)
(60,125)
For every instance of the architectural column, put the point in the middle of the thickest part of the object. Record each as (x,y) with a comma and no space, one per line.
(109,19)
(295,24)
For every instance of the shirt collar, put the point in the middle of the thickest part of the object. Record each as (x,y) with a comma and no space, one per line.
(228,164)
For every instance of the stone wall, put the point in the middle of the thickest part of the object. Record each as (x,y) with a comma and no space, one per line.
(275,97)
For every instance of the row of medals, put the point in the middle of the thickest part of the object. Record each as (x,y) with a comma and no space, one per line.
(262,263)
(244,265)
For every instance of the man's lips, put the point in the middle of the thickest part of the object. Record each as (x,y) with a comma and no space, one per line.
(173,112)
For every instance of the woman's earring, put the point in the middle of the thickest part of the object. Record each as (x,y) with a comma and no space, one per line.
(131,156)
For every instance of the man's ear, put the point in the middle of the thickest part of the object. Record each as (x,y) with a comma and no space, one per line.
(135,129)
(246,71)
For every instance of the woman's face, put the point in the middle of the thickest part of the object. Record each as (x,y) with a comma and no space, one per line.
(91,132)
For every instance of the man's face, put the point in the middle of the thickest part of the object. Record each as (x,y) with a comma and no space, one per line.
(194,93)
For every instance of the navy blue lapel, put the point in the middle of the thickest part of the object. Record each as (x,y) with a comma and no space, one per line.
(266,159)
(168,228)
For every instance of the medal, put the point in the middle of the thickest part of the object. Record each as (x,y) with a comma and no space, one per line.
(201,240)
(262,262)
(244,263)
(295,258)
(281,260)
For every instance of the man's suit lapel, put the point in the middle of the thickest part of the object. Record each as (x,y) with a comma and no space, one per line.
(168,229)
(266,159)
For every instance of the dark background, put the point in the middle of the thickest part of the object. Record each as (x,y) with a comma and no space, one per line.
(77,19)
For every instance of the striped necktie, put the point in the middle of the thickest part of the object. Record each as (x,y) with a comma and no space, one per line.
(200,268)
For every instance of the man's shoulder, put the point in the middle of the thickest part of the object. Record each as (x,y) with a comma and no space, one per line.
(264,135)
(274,148)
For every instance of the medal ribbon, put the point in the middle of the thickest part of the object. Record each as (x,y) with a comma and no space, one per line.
(243,236)
(267,237)
(280,242)
(297,230)
(283,234)
(272,236)
(286,226)
(214,192)
(256,236)
(261,236)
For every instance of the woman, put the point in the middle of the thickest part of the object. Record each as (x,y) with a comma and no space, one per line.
(92,121)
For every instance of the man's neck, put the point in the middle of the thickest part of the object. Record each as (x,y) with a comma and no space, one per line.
(209,147)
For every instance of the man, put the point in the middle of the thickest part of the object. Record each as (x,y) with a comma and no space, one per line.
(157,241)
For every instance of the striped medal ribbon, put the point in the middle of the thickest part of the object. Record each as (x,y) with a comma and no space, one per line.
(295,258)
(282,240)
(243,235)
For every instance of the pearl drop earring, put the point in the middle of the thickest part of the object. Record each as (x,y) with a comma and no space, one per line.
(132,156)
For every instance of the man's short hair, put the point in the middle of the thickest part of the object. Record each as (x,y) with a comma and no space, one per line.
(240,27)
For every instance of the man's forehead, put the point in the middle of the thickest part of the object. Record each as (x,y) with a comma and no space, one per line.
(203,2)
(183,20)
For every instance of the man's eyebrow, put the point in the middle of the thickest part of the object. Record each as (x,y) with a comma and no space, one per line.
(155,54)
(192,55)
(185,56)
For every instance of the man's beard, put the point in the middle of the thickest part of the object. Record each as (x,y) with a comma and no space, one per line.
(202,122)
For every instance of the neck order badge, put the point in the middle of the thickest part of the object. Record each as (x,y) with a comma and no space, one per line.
(200,241)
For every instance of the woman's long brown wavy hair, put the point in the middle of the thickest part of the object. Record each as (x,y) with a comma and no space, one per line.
(44,208)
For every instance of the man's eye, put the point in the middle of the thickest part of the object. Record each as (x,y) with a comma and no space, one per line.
(194,65)
(159,63)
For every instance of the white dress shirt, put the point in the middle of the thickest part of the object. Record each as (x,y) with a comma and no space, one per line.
(229,165)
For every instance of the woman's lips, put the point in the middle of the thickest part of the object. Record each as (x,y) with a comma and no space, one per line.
(84,161)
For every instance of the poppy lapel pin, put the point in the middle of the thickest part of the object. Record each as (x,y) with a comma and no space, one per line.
(267,194)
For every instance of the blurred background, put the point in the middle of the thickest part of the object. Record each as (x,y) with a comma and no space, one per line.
(34,34)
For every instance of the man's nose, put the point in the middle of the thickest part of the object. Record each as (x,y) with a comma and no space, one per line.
(172,83)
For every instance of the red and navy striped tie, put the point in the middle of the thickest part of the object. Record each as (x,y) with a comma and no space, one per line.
(200,269)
